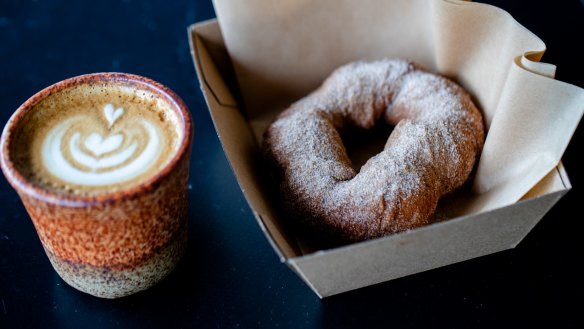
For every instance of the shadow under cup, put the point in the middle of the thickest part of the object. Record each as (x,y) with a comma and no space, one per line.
(116,243)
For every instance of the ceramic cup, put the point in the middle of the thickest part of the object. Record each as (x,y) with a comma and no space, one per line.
(114,244)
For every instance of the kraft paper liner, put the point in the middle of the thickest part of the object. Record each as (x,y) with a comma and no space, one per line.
(282,50)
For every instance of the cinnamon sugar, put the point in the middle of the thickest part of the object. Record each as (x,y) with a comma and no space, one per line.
(437,137)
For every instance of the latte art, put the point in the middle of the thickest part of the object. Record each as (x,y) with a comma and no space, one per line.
(75,153)
(97,138)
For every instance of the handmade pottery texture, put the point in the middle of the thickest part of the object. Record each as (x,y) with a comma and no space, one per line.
(114,244)
(117,248)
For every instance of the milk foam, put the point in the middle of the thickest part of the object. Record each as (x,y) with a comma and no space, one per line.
(93,159)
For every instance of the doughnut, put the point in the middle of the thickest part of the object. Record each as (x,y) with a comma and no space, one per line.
(437,136)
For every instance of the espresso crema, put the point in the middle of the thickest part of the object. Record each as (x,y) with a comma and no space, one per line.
(94,139)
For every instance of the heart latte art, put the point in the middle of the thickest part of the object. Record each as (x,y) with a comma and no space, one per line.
(94,140)
(78,153)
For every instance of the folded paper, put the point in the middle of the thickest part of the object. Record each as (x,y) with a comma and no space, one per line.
(282,50)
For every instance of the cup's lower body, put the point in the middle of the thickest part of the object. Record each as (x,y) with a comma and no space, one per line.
(114,282)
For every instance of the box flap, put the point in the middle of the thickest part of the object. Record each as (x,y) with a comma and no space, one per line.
(358,265)
(233,130)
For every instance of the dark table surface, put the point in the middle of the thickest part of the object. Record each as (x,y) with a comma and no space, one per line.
(230,276)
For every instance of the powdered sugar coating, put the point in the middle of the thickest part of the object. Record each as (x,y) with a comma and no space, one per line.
(437,138)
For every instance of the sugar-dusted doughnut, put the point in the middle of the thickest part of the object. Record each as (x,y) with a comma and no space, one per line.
(437,138)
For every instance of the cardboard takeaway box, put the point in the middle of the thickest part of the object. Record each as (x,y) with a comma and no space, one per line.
(262,55)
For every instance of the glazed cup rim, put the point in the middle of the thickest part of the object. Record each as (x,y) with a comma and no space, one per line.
(23,185)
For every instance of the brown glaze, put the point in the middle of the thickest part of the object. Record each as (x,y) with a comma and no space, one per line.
(115,234)
(108,282)
(139,232)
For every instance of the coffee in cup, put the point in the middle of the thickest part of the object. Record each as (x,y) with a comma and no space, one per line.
(95,139)
(101,164)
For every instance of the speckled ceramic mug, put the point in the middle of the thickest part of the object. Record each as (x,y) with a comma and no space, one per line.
(117,243)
